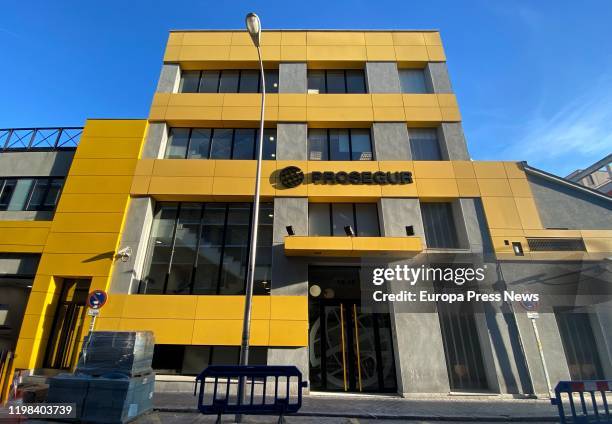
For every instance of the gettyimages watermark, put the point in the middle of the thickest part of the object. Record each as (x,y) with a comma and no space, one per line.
(473,283)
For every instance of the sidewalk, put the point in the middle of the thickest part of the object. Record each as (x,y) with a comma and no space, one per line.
(458,408)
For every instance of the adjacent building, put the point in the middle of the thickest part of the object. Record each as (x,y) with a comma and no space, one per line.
(365,162)
(597,176)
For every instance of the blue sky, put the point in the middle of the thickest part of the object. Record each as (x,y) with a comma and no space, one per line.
(533,78)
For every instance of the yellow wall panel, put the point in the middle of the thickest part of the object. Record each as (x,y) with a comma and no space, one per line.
(378,38)
(97,184)
(389,114)
(528,212)
(229,332)
(420,100)
(184,168)
(140,185)
(293,38)
(387,100)
(520,187)
(437,188)
(335,38)
(326,114)
(124,128)
(158,306)
(107,324)
(192,99)
(513,170)
(191,53)
(92,202)
(288,333)
(501,212)
(23,235)
(231,307)
(81,242)
(75,265)
(289,308)
(87,222)
(359,191)
(114,306)
(495,187)
(382,53)
(421,114)
(432,38)
(339,100)
(336,53)
(468,187)
(408,38)
(176,38)
(167,331)
(172,53)
(118,148)
(436,54)
(411,53)
(489,170)
(464,169)
(217,38)
(181,185)
(295,114)
(599,245)
(433,169)
(450,114)
(400,190)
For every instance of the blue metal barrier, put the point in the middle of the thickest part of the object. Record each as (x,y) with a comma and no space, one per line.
(595,413)
(267,390)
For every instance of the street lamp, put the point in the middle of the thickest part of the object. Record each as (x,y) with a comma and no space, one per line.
(253,25)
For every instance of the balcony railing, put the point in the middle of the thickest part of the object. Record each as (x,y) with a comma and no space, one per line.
(47,139)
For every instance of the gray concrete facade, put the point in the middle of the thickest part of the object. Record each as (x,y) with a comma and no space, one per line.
(291,141)
(391,141)
(561,206)
(436,77)
(292,78)
(35,164)
(382,77)
(156,139)
(452,141)
(169,78)
(397,213)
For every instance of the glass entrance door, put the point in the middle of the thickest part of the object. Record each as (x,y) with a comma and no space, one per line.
(350,350)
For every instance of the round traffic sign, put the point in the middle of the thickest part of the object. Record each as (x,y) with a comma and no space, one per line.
(530,305)
(96,299)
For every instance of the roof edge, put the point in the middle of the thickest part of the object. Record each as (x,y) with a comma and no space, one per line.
(306,30)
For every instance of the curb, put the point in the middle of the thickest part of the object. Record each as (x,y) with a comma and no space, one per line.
(454,418)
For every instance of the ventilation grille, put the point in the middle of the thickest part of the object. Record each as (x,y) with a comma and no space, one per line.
(556,245)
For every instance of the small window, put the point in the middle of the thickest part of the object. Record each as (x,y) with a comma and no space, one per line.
(249,81)
(7,187)
(271,80)
(221,144)
(209,82)
(228,81)
(189,81)
(325,219)
(424,144)
(199,144)
(413,81)
(439,223)
(29,194)
(177,143)
(339,144)
(336,81)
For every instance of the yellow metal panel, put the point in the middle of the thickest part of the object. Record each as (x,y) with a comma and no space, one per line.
(186,113)
(140,185)
(400,190)
(392,246)
(248,113)
(339,100)
(450,114)
(408,39)
(520,187)
(513,170)
(287,99)
(437,188)
(436,53)
(298,246)
(495,187)
(326,114)
(268,38)
(87,222)
(603,245)
(336,53)
(192,99)
(176,38)
(97,184)
(447,100)
(231,307)
(181,185)
(166,331)
(337,166)
(184,168)
(144,167)
(288,333)
(34,325)
(249,99)
(334,38)
(107,324)
(209,53)
(340,191)
(216,38)
(114,305)
(411,53)
(157,113)
(422,114)
(596,233)
(75,265)
(468,187)
(160,306)
(20,248)
(528,212)
(378,38)
(103,167)
(229,332)
(172,53)
(293,38)
(124,128)
(23,353)
(289,308)
(433,169)
(420,100)
(382,53)
(24,235)
(243,168)
(464,169)
(387,100)
(111,148)
(81,242)
(489,170)
(389,114)
(393,166)
(501,212)
(432,38)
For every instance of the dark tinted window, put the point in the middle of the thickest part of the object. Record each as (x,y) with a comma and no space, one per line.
(337,81)
(209,82)
(330,219)
(339,144)
(249,81)
(30,194)
(228,81)
(439,223)
(355,81)
(424,144)
(413,81)
(189,81)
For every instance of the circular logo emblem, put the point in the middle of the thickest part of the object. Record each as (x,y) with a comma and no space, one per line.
(291,176)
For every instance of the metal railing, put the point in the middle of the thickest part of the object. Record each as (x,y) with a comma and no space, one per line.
(575,407)
(24,139)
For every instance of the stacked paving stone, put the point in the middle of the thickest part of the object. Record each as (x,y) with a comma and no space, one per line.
(113,381)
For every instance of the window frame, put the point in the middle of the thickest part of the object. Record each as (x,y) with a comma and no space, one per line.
(29,197)
(219,77)
(328,149)
(330,213)
(426,88)
(344,75)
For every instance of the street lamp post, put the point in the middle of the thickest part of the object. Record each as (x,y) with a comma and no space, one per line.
(253,25)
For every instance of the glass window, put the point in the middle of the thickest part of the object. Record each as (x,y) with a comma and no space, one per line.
(185,247)
(317,145)
(37,195)
(361,145)
(339,145)
(335,82)
(236,249)
(316,82)
(319,221)
(229,81)
(439,223)
(244,144)
(221,144)
(424,144)
(366,220)
(211,248)
(21,194)
(52,197)
(199,143)
(249,81)
(209,82)
(6,192)
(413,81)
(269,144)
(355,81)
(271,80)
(342,215)
(177,143)
(189,81)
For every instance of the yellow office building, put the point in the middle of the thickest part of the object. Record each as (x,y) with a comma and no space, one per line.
(364,162)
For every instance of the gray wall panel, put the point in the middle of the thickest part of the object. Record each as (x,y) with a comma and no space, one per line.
(382,77)
(169,78)
(291,141)
(292,78)
(35,164)
(436,76)
(391,141)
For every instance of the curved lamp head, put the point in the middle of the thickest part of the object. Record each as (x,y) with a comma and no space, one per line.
(253,25)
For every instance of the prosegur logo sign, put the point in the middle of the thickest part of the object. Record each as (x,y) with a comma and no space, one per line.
(292,176)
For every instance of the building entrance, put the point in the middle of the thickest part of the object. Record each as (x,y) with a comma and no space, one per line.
(350,350)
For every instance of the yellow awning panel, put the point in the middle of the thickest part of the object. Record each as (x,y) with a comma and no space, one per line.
(352,246)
